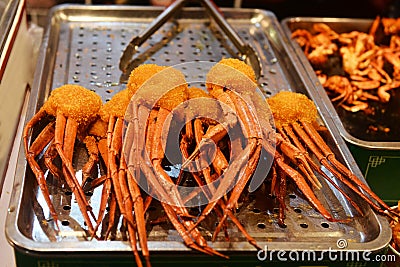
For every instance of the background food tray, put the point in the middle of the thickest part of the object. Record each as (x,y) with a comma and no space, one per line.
(378,155)
(82,45)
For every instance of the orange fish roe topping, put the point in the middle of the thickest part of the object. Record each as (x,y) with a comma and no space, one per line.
(233,74)
(140,75)
(116,106)
(73,101)
(209,108)
(289,107)
(173,98)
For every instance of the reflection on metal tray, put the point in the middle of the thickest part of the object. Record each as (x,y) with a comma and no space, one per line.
(377,155)
(83,45)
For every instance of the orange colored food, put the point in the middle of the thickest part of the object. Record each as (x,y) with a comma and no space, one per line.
(73,101)
(289,107)
(232,74)
(141,74)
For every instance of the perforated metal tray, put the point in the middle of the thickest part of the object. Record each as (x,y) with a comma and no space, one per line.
(83,44)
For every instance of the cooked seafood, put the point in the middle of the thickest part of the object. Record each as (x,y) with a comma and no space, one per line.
(126,190)
(58,139)
(233,84)
(149,146)
(225,131)
(369,68)
(295,117)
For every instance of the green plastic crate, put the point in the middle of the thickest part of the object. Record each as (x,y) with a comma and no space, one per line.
(381,169)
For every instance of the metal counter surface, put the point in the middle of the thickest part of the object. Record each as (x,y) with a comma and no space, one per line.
(7,253)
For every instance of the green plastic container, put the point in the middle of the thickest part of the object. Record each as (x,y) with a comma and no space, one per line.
(381,169)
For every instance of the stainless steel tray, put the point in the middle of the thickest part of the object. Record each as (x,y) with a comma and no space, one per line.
(83,45)
(352,126)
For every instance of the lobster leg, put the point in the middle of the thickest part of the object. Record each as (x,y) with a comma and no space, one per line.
(128,207)
(238,189)
(68,170)
(157,157)
(219,162)
(112,217)
(139,211)
(324,161)
(236,168)
(281,198)
(105,194)
(187,239)
(252,151)
(200,243)
(305,189)
(328,154)
(91,146)
(253,132)
(205,170)
(278,189)
(114,142)
(29,126)
(176,214)
(184,148)
(31,152)
(133,241)
(297,143)
(298,157)
(49,156)
(300,182)
(95,149)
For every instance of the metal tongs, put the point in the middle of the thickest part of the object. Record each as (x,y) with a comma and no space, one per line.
(246,52)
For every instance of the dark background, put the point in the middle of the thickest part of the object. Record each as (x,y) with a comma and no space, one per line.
(326,8)
(283,8)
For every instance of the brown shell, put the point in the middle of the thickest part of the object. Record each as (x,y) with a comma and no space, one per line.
(289,107)
(73,101)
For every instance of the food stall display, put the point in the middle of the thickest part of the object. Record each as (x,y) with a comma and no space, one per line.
(54,220)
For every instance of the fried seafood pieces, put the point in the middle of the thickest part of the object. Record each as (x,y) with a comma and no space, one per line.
(354,67)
